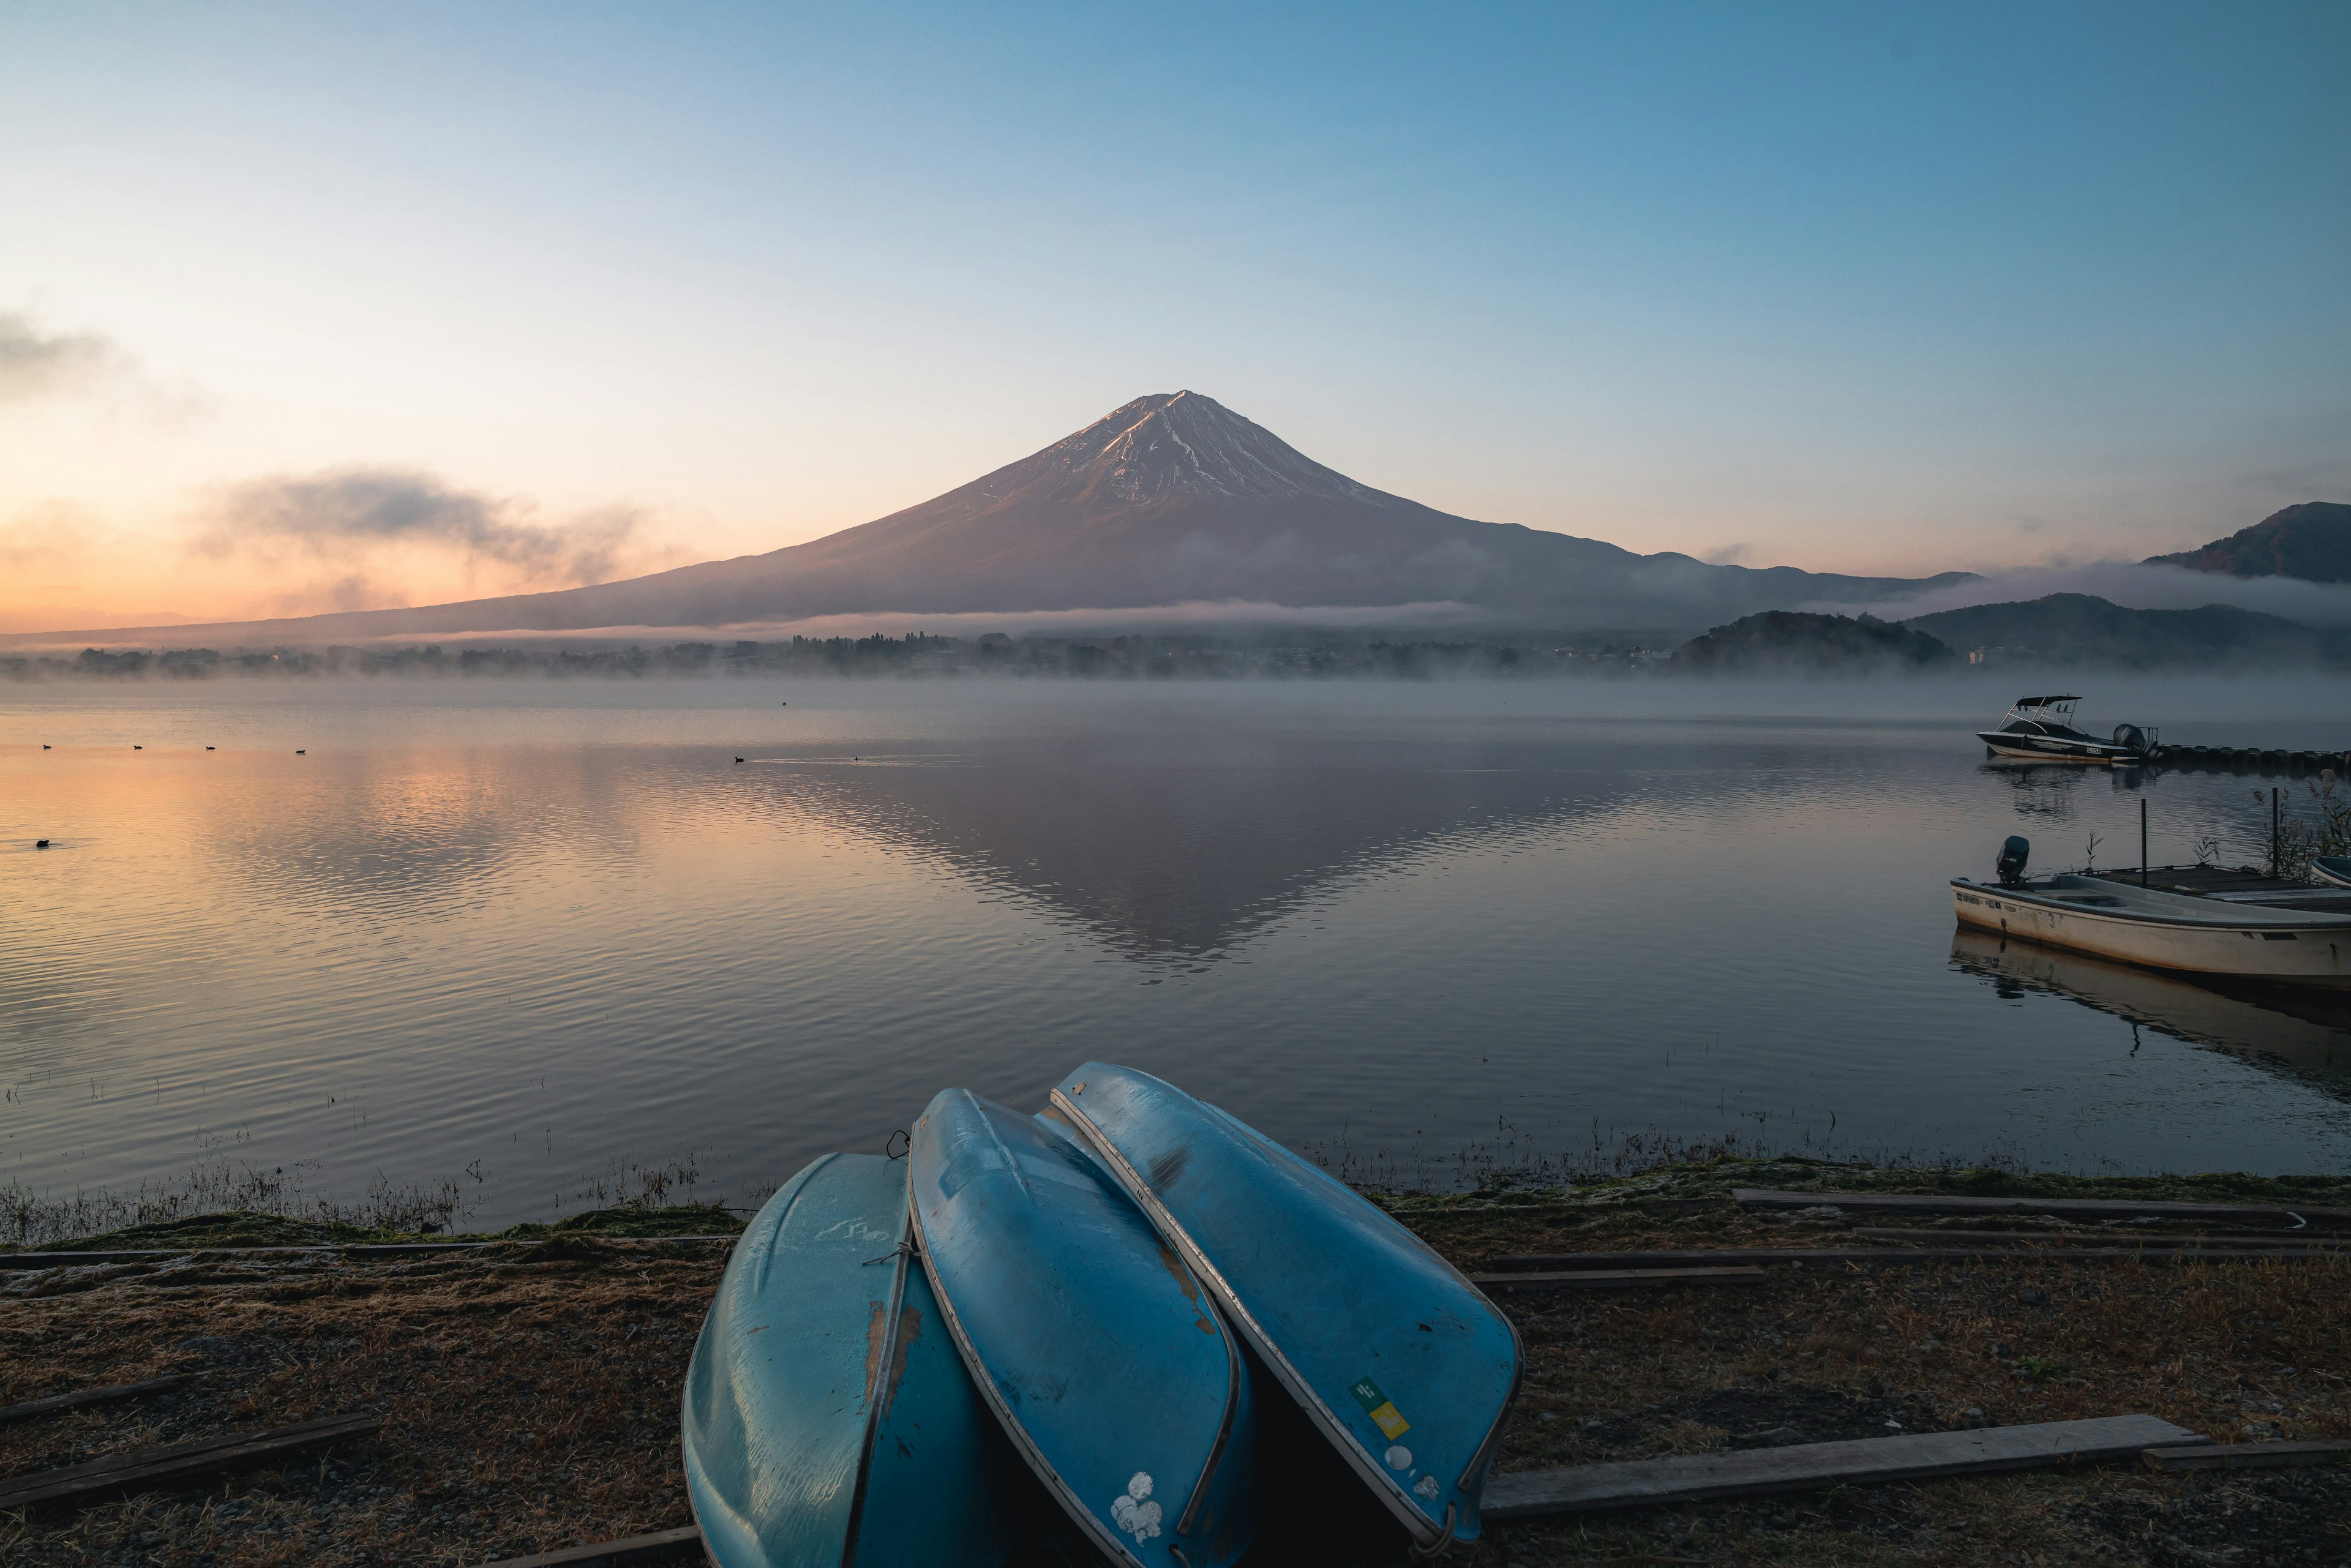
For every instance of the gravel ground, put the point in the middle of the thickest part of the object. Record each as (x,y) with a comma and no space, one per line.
(529,1398)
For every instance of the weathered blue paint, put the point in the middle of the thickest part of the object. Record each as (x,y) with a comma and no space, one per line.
(1097,1348)
(828,1420)
(1398,1358)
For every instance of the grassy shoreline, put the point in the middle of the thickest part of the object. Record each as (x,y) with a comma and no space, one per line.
(1678,1182)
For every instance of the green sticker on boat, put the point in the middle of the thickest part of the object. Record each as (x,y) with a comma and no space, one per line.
(1380,1408)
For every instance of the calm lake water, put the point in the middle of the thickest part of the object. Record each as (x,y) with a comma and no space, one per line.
(525,935)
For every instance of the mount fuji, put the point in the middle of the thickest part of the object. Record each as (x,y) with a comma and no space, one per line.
(1171,498)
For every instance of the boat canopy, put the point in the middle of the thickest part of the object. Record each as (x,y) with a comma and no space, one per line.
(2048,713)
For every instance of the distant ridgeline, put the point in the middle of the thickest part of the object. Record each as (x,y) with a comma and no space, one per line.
(2079,629)
(2311,542)
(2076,631)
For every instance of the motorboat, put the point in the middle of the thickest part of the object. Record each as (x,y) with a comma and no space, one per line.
(2199,920)
(2040,729)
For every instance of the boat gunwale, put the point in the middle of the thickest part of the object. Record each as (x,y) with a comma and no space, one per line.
(2086,749)
(2260,919)
(791,1194)
(877,1400)
(1039,1466)
(1081,1514)
(1426,1530)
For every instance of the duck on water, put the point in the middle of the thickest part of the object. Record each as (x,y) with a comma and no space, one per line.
(2195,919)
(2040,729)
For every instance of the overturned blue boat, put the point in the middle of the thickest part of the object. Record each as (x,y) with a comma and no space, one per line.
(1096,1347)
(828,1419)
(1398,1359)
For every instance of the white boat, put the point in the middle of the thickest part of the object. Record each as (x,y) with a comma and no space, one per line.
(2040,729)
(2332,870)
(2192,919)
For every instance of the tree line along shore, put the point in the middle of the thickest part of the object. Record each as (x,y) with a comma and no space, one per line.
(2074,631)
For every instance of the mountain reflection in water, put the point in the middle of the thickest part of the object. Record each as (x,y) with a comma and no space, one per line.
(533,934)
(1183,857)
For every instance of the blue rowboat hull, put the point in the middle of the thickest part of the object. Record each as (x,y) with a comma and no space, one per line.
(1399,1360)
(2332,868)
(828,1420)
(1095,1346)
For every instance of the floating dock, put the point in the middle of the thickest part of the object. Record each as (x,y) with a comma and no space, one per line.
(2248,759)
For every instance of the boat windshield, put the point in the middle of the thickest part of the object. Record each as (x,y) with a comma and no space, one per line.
(2054,713)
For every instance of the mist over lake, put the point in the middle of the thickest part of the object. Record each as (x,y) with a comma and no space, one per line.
(523,934)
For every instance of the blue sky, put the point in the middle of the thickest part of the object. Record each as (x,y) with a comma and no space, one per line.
(1848,287)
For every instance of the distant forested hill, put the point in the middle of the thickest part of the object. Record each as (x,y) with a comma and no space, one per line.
(1784,642)
(2081,628)
(2311,541)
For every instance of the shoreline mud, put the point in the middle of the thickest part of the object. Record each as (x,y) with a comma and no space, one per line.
(529,1389)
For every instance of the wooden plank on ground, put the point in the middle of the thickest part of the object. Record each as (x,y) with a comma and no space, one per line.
(1694,1258)
(176,1463)
(2248,1456)
(1811,1466)
(662,1546)
(2105,1237)
(1755,1256)
(113,1393)
(1615,1279)
(2102,1207)
(23,1261)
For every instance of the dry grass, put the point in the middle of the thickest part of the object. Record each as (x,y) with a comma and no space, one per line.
(2238,1351)
(531,1395)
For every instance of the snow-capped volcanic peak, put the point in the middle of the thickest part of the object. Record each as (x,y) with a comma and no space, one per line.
(1180,443)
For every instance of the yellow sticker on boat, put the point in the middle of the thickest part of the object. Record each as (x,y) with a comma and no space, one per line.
(1380,1408)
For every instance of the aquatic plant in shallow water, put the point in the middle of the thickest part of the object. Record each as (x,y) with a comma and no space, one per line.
(28,1218)
(2324,829)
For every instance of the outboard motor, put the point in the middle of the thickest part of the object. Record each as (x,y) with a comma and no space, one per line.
(2011,864)
(2133,738)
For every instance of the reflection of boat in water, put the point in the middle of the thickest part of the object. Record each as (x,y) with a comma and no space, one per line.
(2303,1028)
(2199,919)
(2040,729)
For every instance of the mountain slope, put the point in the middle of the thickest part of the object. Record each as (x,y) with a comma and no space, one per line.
(1172,498)
(2082,630)
(2311,541)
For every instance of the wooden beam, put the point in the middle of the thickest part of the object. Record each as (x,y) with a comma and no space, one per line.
(1698,1257)
(662,1546)
(22,1261)
(2247,1455)
(110,1395)
(2108,1237)
(1812,1466)
(1757,1256)
(175,1464)
(1615,1279)
(2085,1207)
